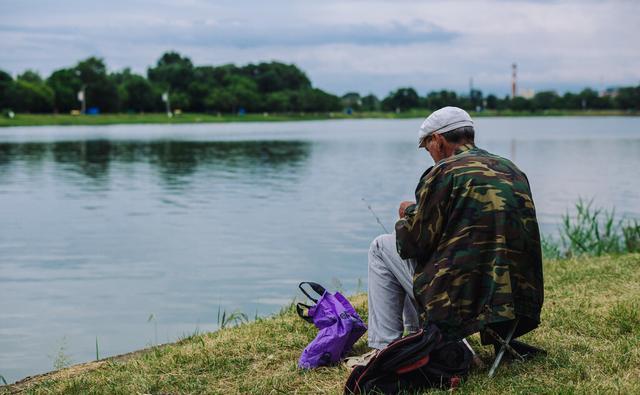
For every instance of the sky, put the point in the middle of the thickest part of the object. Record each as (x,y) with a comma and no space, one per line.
(343,46)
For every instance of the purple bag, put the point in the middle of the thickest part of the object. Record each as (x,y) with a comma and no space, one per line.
(339,324)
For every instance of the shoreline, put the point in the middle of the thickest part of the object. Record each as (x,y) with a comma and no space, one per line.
(196,118)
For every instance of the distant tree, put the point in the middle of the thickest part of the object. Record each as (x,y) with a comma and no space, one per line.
(317,100)
(198,92)
(590,98)
(519,103)
(240,92)
(276,76)
(295,101)
(211,75)
(135,92)
(545,100)
(30,76)
(278,101)
(352,100)
(443,98)
(587,97)
(245,92)
(224,74)
(220,100)
(570,101)
(492,102)
(402,99)
(100,90)
(30,94)
(504,103)
(370,103)
(205,80)
(179,100)
(5,83)
(475,99)
(65,84)
(172,72)
(628,98)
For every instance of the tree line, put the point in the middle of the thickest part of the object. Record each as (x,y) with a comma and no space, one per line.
(262,87)
(259,87)
(625,98)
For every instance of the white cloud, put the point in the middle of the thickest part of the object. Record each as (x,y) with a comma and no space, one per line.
(343,45)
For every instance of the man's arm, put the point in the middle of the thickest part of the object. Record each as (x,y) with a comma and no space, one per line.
(419,231)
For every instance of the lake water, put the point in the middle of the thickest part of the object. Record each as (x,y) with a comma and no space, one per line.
(105,227)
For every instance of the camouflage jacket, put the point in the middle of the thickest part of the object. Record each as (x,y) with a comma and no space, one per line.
(475,238)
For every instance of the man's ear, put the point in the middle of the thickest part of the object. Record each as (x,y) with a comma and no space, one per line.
(444,147)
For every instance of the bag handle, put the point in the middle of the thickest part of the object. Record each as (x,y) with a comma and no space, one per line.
(317,288)
(303,310)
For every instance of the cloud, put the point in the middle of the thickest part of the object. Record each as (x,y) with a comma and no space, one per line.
(343,45)
(240,35)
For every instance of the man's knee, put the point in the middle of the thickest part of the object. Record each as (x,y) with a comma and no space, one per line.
(380,243)
(383,241)
(378,250)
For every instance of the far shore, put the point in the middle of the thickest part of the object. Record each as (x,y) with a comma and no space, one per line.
(185,118)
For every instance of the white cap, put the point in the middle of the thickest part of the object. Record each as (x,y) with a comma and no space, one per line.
(444,120)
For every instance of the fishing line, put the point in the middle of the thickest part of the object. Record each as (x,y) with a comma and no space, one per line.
(375,215)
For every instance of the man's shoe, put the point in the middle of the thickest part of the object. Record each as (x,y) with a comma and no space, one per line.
(527,351)
(360,360)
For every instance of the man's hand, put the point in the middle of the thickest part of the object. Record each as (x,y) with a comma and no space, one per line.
(403,206)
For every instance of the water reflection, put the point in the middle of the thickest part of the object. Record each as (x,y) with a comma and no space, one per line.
(89,158)
(174,161)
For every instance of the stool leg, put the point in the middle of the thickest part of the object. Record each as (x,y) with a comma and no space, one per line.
(504,345)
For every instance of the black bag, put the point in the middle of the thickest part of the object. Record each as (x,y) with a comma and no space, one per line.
(415,362)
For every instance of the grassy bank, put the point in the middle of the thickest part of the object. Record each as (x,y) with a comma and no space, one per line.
(591,329)
(111,119)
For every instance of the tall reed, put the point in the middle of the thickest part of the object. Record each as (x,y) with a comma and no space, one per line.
(236,317)
(592,231)
(631,232)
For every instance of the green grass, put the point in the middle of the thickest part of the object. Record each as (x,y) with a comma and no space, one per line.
(110,119)
(590,328)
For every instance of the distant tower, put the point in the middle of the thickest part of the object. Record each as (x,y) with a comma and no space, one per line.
(514,72)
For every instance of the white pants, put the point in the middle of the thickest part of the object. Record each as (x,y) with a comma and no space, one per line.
(391,302)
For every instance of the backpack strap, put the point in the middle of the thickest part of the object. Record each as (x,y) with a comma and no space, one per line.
(317,288)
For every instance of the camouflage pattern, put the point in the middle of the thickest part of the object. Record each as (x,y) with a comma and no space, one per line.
(475,237)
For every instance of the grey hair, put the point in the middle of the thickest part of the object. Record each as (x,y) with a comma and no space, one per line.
(463,135)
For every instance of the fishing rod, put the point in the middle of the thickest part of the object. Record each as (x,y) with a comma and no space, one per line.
(375,215)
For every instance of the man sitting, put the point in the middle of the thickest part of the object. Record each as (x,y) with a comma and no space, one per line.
(466,254)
